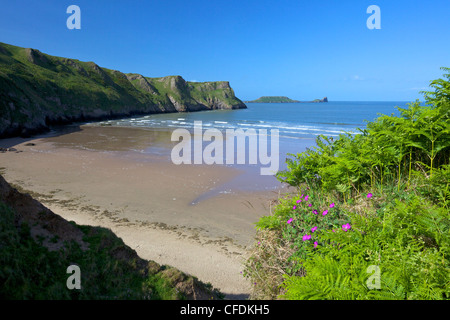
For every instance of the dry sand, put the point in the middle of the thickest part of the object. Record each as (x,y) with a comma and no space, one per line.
(90,176)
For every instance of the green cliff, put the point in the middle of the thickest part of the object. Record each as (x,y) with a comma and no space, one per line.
(38,90)
(282,99)
(273,99)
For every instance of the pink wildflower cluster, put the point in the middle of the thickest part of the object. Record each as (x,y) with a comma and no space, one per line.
(346,227)
(299,201)
(305,199)
(306,237)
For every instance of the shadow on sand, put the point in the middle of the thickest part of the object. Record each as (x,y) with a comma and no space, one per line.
(55,132)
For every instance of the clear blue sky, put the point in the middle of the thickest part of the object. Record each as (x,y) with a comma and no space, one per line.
(300,49)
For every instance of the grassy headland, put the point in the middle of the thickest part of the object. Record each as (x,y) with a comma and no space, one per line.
(38,90)
(273,99)
(282,99)
(371,219)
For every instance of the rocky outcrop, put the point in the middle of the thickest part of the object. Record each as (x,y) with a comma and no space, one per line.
(282,99)
(141,83)
(38,90)
(273,99)
(36,57)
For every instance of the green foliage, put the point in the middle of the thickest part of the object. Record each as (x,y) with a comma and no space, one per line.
(441,94)
(273,99)
(409,243)
(29,270)
(269,261)
(437,186)
(388,150)
(37,89)
(297,216)
(390,187)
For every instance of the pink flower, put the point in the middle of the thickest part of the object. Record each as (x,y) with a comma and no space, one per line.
(315,211)
(346,227)
(306,198)
(369,195)
(333,230)
(313,229)
(332,205)
(301,196)
(290,220)
(306,237)
(294,207)
(315,244)
(325,213)
(298,201)
(310,205)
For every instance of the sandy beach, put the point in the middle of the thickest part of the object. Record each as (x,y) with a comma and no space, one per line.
(100,176)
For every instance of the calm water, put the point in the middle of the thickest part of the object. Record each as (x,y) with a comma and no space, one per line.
(293,120)
(298,124)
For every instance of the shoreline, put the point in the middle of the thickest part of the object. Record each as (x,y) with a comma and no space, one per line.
(146,202)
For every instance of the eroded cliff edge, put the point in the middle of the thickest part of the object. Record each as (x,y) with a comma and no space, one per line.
(38,90)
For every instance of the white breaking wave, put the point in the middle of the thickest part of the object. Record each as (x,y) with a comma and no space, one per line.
(286,129)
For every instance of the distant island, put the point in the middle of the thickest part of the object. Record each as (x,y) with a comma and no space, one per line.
(281,99)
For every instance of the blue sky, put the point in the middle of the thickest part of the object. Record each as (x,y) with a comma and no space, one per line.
(300,49)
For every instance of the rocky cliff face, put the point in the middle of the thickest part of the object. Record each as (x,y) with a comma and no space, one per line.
(38,90)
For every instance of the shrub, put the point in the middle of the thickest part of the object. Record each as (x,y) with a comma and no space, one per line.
(409,243)
(387,194)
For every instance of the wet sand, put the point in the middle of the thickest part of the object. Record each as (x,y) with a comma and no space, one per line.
(116,178)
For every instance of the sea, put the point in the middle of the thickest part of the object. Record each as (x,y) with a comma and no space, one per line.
(293,120)
(298,125)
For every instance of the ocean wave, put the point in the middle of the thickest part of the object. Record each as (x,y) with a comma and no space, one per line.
(286,129)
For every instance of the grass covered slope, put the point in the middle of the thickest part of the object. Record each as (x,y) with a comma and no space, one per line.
(371,219)
(37,246)
(273,99)
(37,90)
(282,99)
